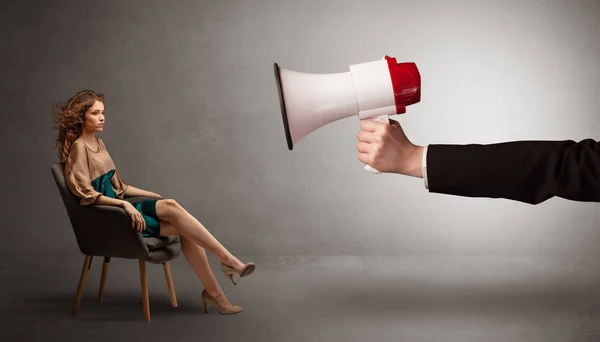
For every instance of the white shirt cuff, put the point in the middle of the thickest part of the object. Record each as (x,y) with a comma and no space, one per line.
(424,167)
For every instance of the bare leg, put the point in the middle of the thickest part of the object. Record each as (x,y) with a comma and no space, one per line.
(197,259)
(187,225)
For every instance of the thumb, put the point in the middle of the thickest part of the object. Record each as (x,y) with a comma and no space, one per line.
(397,124)
(394,122)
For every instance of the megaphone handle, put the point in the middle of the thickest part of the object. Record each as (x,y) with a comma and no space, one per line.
(383,119)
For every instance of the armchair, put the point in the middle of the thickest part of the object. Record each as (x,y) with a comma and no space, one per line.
(102,230)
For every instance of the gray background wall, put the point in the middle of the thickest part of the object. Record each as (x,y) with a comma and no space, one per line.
(192,113)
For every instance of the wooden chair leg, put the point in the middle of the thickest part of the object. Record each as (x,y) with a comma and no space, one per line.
(103,279)
(87,264)
(144,281)
(167,269)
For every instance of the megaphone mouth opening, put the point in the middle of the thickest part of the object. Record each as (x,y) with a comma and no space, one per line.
(286,125)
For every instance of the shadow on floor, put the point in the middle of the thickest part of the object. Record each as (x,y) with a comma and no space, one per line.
(115,307)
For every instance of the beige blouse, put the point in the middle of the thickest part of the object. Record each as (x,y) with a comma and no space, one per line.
(91,173)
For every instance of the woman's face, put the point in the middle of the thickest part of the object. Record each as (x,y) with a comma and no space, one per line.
(93,119)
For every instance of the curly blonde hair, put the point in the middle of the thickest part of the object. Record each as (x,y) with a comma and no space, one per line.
(69,119)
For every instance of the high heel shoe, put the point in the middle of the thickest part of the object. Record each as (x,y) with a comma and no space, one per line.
(223,309)
(243,271)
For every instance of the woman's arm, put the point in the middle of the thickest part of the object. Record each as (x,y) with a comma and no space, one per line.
(133,191)
(137,221)
(115,202)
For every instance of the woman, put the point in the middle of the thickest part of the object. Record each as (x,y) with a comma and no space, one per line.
(92,176)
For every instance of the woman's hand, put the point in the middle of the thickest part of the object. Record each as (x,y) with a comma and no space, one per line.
(137,221)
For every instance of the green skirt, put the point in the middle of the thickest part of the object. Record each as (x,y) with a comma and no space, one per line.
(148,210)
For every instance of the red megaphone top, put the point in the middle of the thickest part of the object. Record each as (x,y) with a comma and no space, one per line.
(406,82)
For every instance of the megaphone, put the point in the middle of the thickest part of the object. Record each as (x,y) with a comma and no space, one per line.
(372,90)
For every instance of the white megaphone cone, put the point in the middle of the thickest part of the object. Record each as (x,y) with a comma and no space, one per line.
(372,90)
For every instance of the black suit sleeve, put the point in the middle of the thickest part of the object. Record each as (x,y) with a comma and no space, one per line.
(525,171)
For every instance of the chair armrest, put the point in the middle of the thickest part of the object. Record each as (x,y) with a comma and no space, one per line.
(106,230)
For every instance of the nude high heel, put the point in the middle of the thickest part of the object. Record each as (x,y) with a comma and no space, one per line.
(223,309)
(243,271)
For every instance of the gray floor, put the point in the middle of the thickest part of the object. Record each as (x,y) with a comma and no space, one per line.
(295,298)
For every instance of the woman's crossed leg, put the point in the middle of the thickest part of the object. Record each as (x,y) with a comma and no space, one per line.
(195,241)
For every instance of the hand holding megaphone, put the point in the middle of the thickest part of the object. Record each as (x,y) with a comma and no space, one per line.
(384,119)
(387,147)
(371,90)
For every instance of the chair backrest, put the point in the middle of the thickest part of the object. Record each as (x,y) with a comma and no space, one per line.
(70,201)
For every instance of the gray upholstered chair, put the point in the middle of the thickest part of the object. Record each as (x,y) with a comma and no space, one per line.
(106,231)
